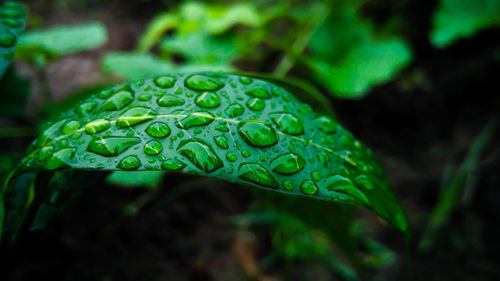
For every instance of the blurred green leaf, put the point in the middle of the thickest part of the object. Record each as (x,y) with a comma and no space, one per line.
(43,45)
(348,57)
(149,179)
(362,67)
(198,17)
(456,19)
(217,19)
(134,66)
(200,48)
(12,20)
(158,26)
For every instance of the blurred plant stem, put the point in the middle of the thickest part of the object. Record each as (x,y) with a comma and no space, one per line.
(458,188)
(320,12)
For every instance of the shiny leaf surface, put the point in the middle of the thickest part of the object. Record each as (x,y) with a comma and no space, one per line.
(12,20)
(208,124)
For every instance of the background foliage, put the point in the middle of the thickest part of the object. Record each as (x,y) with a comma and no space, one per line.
(413,80)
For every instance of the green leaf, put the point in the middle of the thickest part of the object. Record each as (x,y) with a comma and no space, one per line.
(158,26)
(217,19)
(241,129)
(456,19)
(348,58)
(149,179)
(135,66)
(12,20)
(200,48)
(47,44)
(362,67)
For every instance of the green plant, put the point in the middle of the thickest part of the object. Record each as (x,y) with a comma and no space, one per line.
(233,127)
(12,16)
(207,91)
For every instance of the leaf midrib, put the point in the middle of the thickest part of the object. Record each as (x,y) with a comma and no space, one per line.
(177,117)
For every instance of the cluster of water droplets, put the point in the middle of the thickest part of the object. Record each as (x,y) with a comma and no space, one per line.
(12,18)
(233,127)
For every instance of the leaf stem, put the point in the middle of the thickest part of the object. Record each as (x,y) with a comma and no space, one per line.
(320,13)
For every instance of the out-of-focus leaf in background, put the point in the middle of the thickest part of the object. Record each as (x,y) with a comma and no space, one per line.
(455,19)
(12,20)
(199,47)
(44,45)
(134,66)
(202,33)
(348,57)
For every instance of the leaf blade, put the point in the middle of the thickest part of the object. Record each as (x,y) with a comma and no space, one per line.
(12,21)
(255,147)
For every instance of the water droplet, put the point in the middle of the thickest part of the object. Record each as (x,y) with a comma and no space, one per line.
(325,124)
(97,126)
(153,147)
(12,23)
(200,154)
(61,158)
(245,153)
(200,82)
(316,176)
(170,100)
(86,107)
(288,164)
(256,173)
(256,104)
(111,146)
(288,185)
(45,152)
(7,39)
(259,93)
(165,81)
(231,156)
(257,133)
(346,190)
(145,97)
(158,130)
(234,110)
(276,91)
(117,101)
(222,128)
(309,187)
(288,123)
(364,181)
(135,116)
(130,162)
(10,12)
(208,100)
(246,80)
(195,119)
(104,94)
(221,142)
(173,165)
(70,127)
